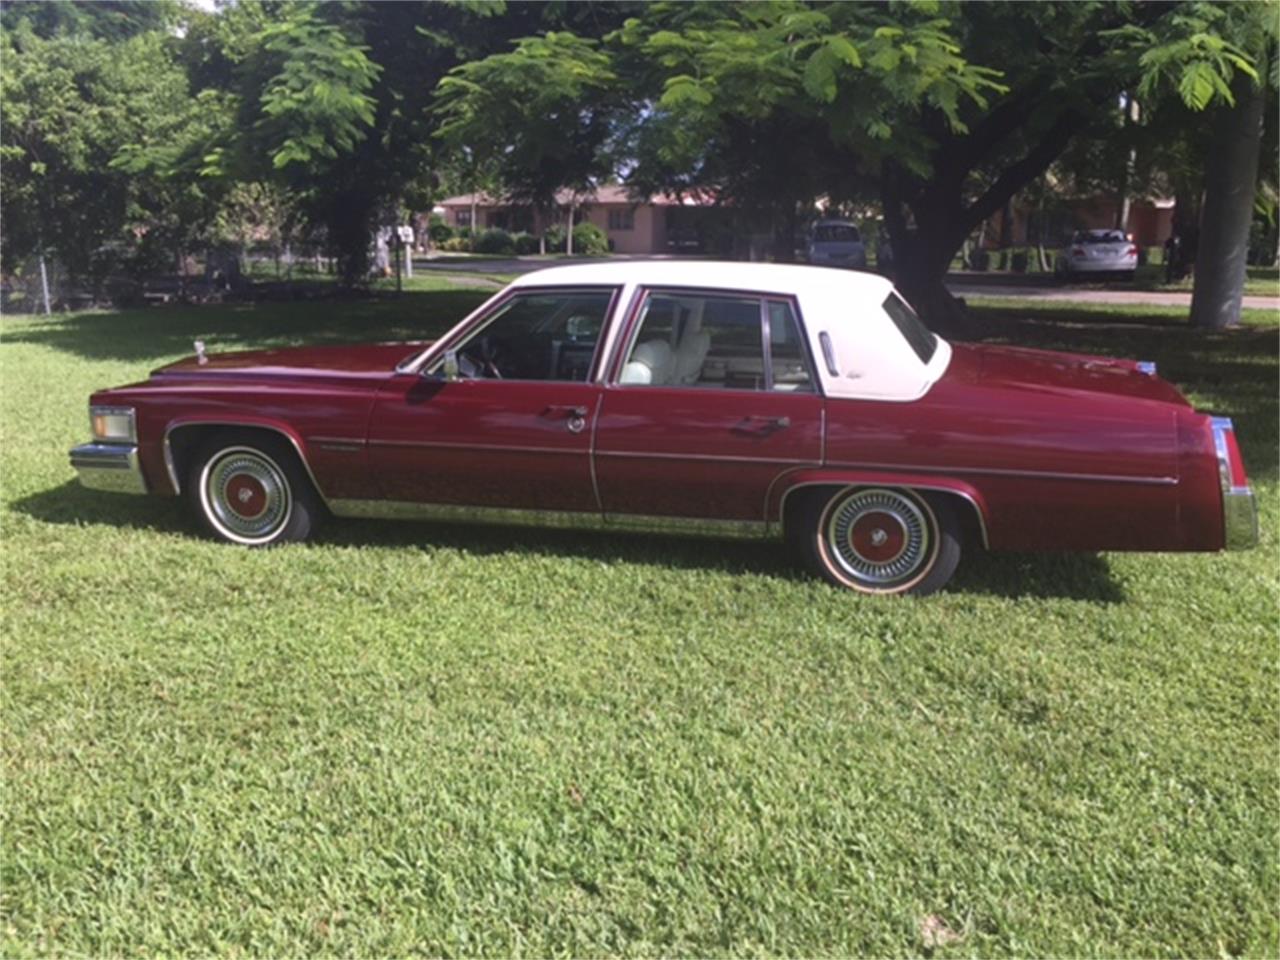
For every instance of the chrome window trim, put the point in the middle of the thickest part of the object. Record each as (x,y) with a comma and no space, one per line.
(172,469)
(629,330)
(1147,367)
(483,314)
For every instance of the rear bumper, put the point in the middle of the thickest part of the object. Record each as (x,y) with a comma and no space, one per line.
(109,466)
(1239,518)
(1101,266)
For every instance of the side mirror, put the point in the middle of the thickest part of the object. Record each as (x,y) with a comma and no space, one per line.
(451,365)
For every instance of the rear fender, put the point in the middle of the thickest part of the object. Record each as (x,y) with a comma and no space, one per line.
(793,482)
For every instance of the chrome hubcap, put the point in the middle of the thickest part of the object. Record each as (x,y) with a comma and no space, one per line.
(246,494)
(878,537)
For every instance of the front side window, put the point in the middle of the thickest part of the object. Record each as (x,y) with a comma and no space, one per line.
(549,335)
(716,342)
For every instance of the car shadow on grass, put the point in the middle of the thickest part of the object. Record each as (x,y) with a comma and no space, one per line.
(74,504)
(1012,576)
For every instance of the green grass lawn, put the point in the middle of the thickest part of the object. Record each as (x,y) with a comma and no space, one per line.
(447,740)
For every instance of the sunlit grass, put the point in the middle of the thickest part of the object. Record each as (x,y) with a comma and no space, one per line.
(443,740)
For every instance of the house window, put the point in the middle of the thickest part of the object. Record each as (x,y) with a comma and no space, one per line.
(463,218)
(623,219)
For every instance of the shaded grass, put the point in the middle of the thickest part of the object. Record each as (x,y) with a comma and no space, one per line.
(440,739)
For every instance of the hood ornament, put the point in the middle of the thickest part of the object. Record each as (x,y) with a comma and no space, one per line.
(200,357)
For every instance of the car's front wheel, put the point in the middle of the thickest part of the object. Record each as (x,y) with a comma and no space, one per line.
(880,540)
(248,488)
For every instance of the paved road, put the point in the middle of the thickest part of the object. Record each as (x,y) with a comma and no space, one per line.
(961,286)
(1062,294)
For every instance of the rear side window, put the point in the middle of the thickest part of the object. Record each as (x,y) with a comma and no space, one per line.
(921,338)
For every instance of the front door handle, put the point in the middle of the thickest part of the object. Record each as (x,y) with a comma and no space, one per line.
(558,410)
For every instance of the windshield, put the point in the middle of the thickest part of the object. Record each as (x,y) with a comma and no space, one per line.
(835,233)
(921,338)
(1100,236)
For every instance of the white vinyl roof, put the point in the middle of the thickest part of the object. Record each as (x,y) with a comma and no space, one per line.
(857,349)
(780,278)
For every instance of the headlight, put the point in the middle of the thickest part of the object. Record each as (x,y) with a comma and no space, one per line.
(115,424)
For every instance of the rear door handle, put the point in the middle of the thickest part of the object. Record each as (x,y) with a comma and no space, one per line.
(762,425)
(563,410)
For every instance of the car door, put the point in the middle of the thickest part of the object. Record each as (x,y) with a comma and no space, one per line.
(713,398)
(512,428)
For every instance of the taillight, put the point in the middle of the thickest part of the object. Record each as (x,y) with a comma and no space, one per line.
(1131,252)
(1077,251)
(1230,463)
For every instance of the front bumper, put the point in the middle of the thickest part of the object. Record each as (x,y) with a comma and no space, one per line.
(1239,518)
(109,466)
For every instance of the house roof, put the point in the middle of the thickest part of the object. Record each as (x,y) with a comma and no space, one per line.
(603,195)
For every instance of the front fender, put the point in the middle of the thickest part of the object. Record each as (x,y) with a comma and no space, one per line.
(250,421)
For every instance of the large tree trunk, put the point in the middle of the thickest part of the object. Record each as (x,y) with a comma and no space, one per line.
(1231,178)
(943,219)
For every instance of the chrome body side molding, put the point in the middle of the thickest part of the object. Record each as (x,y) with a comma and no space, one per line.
(560,519)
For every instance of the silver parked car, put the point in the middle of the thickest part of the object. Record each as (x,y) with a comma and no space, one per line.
(836,243)
(1102,252)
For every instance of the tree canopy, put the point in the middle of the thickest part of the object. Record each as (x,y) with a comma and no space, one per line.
(151,120)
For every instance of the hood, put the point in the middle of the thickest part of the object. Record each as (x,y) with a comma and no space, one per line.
(347,360)
(1047,370)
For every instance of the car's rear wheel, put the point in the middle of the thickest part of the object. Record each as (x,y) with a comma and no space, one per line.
(880,540)
(248,488)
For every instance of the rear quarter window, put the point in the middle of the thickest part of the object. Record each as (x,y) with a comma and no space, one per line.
(922,340)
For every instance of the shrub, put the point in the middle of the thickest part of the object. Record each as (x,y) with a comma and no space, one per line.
(1019,261)
(438,230)
(554,235)
(526,243)
(589,240)
(494,240)
(456,245)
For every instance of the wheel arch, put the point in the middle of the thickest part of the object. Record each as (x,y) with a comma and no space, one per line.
(183,437)
(969,501)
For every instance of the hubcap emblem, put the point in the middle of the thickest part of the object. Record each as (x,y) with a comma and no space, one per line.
(245,495)
(878,537)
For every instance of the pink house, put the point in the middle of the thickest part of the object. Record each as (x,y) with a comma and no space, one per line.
(657,225)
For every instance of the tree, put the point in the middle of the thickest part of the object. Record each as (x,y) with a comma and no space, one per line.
(335,103)
(539,118)
(948,110)
(78,112)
